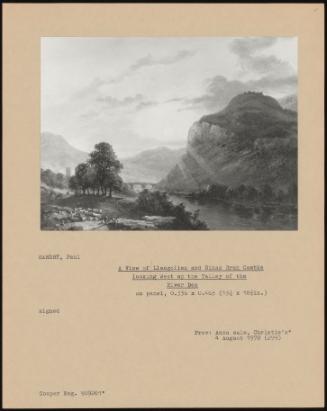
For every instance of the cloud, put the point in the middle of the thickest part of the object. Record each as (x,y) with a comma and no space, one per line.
(265,73)
(284,85)
(247,46)
(146,61)
(149,60)
(146,104)
(105,103)
(175,100)
(110,102)
(251,59)
(89,114)
(137,102)
(266,64)
(220,90)
(89,90)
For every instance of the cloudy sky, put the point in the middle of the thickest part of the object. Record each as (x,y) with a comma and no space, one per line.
(141,93)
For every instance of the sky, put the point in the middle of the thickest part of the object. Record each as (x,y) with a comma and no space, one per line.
(141,93)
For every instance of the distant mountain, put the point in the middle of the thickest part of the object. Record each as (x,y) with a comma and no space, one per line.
(289,102)
(150,165)
(57,153)
(252,141)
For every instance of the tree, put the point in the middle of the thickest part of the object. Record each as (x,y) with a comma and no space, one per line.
(112,181)
(60,180)
(73,184)
(107,167)
(91,179)
(217,191)
(80,174)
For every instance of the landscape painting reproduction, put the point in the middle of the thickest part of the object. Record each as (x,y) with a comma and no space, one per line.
(169,133)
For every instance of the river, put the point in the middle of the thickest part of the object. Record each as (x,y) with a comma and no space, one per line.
(222,217)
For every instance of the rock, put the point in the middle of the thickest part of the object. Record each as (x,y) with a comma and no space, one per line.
(130,224)
(253,141)
(159,219)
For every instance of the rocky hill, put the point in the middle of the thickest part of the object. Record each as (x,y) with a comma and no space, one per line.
(252,141)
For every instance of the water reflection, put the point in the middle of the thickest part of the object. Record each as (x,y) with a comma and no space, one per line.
(227,216)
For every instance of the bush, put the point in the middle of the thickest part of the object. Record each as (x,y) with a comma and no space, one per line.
(157,203)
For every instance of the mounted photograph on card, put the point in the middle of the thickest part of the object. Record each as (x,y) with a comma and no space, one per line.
(169,133)
(186,141)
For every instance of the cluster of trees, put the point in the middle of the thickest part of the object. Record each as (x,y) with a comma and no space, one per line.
(250,193)
(56,180)
(99,174)
(158,203)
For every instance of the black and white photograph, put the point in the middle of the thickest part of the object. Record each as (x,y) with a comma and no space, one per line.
(169,133)
(170,254)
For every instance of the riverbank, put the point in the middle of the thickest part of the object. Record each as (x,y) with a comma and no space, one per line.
(147,211)
(161,211)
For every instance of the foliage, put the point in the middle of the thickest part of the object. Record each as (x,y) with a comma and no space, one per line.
(73,183)
(248,193)
(100,174)
(56,180)
(80,175)
(154,202)
(157,203)
(106,166)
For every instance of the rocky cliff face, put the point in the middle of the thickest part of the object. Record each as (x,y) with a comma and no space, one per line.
(252,141)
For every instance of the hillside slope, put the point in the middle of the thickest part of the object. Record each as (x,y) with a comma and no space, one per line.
(57,153)
(252,141)
(150,165)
